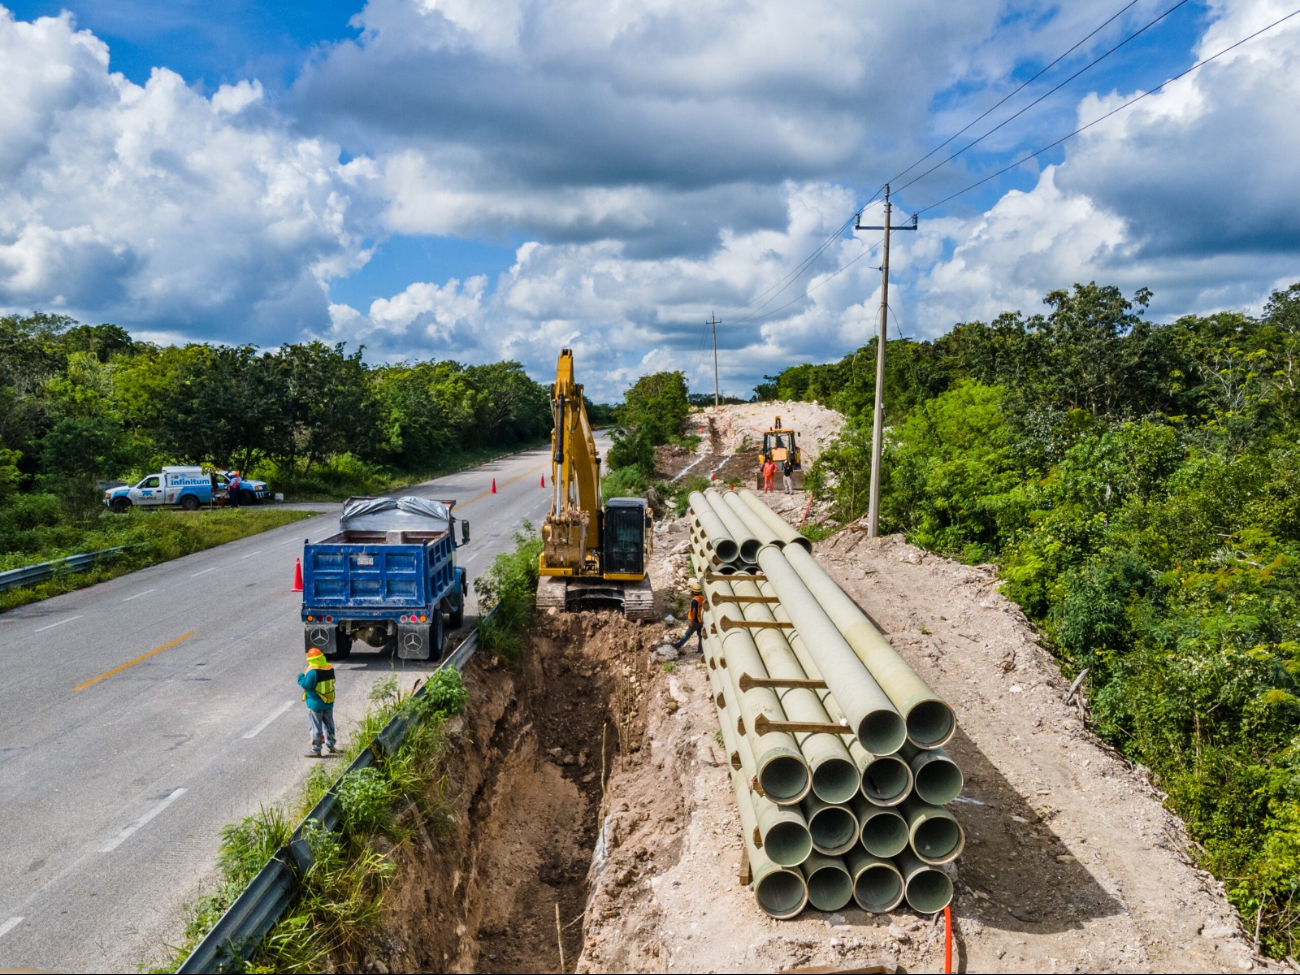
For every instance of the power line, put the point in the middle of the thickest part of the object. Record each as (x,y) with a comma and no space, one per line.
(1013,94)
(772,314)
(1086,67)
(1114,111)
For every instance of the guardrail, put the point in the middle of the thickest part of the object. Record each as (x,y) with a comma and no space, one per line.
(238,932)
(40,572)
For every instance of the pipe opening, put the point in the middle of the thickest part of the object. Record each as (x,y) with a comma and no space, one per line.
(884,833)
(930,724)
(726,548)
(835,781)
(938,840)
(887,780)
(782,893)
(879,888)
(784,779)
(882,732)
(787,844)
(749,550)
(830,888)
(939,781)
(834,830)
(929,891)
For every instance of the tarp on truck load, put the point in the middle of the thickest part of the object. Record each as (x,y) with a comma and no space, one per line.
(395,514)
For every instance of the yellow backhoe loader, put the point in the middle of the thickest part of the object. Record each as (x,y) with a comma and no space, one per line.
(592,556)
(778,445)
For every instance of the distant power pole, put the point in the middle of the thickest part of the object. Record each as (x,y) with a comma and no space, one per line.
(878,422)
(713,320)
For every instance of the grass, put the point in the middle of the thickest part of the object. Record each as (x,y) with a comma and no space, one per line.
(815,532)
(334,918)
(508,590)
(149,537)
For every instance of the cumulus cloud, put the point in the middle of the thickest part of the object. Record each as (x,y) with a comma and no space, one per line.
(157,207)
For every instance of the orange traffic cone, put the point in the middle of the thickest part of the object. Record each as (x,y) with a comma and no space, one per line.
(542,482)
(297,575)
(494,485)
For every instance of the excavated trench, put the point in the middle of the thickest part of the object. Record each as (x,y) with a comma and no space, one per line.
(498,878)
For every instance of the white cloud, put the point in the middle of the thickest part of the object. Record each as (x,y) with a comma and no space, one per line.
(159,208)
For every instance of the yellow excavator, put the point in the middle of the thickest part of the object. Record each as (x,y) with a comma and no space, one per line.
(779,445)
(592,556)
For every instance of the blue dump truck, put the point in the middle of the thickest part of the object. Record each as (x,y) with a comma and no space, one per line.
(387,578)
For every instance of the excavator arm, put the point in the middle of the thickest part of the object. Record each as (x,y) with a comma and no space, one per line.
(571,535)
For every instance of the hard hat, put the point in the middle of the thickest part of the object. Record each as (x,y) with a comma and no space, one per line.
(695,585)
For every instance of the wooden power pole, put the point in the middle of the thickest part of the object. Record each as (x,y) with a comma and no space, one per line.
(713,320)
(878,421)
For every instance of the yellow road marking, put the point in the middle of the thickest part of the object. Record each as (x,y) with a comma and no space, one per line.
(480,496)
(132,663)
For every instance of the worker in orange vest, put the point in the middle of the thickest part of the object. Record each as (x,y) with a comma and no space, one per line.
(769,472)
(694,618)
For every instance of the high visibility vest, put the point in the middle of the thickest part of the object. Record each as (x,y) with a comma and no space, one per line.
(324,681)
(696,613)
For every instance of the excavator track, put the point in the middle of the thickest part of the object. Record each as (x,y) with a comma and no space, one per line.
(573,595)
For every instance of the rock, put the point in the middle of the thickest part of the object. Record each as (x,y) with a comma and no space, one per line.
(555,753)
(899,935)
(836,920)
(1217,930)
(664,652)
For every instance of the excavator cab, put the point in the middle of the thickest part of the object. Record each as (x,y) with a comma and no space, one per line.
(626,522)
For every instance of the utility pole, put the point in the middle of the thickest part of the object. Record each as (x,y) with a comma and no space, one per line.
(878,422)
(713,320)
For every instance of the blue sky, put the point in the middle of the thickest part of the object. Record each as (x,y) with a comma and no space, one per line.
(486,179)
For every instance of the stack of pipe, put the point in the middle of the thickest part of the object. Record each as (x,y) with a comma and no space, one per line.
(835,743)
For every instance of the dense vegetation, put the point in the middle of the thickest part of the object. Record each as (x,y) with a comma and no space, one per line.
(86,403)
(1139,486)
(653,412)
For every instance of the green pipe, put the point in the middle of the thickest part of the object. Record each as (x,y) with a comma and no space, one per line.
(928,890)
(930,721)
(781,891)
(834,829)
(887,780)
(782,830)
(835,775)
(756,525)
(933,832)
(938,779)
(830,888)
(779,525)
(872,717)
(736,528)
(883,831)
(727,548)
(877,884)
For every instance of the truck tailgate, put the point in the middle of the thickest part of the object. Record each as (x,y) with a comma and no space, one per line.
(373,576)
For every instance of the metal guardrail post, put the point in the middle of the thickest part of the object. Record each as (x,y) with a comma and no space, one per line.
(239,931)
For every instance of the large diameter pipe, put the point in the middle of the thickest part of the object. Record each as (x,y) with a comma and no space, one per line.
(736,528)
(834,829)
(727,548)
(927,889)
(780,527)
(782,772)
(930,721)
(883,831)
(710,561)
(835,775)
(933,832)
(756,525)
(877,884)
(872,717)
(830,887)
(781,891)
(782,831)
(886,780)
(938,779)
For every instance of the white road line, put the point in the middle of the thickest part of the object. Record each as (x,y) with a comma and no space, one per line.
(138,595)
(250,555)
(204,571)
(9,925)
(123,836)
(41,629)
(269,718)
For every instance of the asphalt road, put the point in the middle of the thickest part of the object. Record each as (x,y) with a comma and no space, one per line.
(139,716)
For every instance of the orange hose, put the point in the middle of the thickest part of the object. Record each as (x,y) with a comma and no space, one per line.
(947,941)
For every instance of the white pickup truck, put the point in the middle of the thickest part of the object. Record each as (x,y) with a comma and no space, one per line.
(186,487)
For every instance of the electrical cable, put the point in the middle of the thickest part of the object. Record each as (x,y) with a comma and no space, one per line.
(844,267)
(1013,94)
(1132,101)
(1046,94)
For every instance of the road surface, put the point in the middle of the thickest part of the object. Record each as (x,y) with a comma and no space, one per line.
(139,716)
